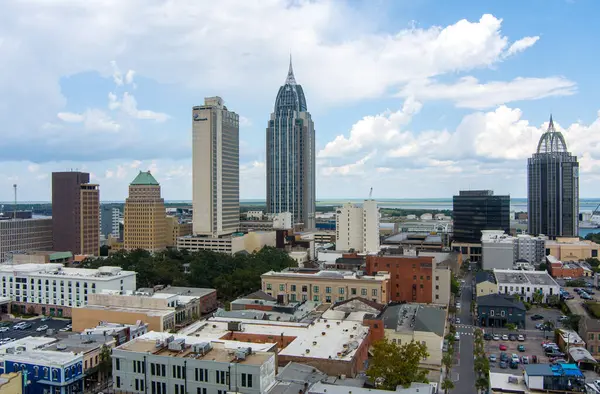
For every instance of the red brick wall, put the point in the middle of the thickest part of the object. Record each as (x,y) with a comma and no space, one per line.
(376,331)
(37,308)
(281,340)
(208,303)
(558,271)
(258,307)
(406,273)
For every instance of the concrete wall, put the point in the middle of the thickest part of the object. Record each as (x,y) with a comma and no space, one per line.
(486,288)
(498,255)
(14,385)
(90,317)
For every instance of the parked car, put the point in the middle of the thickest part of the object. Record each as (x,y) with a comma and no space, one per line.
(563,318)
(521,348)
(457,336)
(492,358)
(18,326)
(539,326)
(512,337)
(514,365)
(503,356)
(496,337)
(525,360)
(46,318)
(5,324)
(487,336)
(521,338)
(558,361)
(590,292)
(503,365)
(505,337)
(514,358)
(42,328)
(4,329)
(537,317)
(585,296)
(457,320)
(502,347)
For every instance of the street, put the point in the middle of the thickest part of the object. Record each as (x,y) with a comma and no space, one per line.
(463,373)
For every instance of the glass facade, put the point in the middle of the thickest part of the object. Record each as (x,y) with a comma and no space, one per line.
(478,210)
(291,155)
(553,188)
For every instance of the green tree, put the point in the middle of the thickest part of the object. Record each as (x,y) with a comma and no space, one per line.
(511,326)
(454,285)
(394,365)
(538,297)
(105,364)
(447,384)
(447,360)
(572,322)
(543,267)
(481,384)
(592,261)
(576,283)
(553,300)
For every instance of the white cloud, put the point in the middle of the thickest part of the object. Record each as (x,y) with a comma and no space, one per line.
(521,45)
(129,106)
(468,92)
(116,73)
(113,101)
(92,119)
(33,167)
(129,77)
(245,122)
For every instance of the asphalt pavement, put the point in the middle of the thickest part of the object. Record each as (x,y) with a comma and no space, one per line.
(463,372)
(55,324)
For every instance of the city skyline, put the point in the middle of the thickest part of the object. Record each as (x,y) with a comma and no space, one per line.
(404,101)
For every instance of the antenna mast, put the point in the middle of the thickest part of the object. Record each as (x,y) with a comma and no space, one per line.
(15,206)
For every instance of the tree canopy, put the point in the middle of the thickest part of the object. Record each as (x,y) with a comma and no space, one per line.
(231,276)
(393,364)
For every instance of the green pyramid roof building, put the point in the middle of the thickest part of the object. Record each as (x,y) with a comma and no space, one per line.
(144,178)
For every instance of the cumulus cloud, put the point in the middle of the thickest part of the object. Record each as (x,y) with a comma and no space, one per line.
(468,92)
(92,119)
(522,44)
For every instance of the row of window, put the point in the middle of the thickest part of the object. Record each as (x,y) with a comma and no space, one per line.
(328,290)
(179,372)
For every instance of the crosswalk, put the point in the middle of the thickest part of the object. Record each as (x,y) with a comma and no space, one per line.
(463,326)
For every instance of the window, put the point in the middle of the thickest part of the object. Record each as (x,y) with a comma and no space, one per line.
(437,297)
(353,291)
(341,298)
(281,287)
(220,377)
(374,292)
(304,289)
(341,290)
(118,381)
(315,289)
(246,380)
(363,292)
(200,390)
(428,277)
(269,286)
(316,298)
(118,364)
(152,370)
(591,337)
(293,297)
(292,288)
(437,278)
(414,277)
(328,299)
(591,348)
(421,277)
(437,287)
(328,290)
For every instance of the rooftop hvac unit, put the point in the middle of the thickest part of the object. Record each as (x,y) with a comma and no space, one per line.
(177,345)
(234,326)
(202,348)
(242,352)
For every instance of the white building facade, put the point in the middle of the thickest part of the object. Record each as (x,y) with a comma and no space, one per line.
(160,363)
(497,250)
(526,283)
(51,289)
(215,169)
(357,227)
(530,249)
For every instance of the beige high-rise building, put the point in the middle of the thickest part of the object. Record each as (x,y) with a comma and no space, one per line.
(215,169)
(176,229)
(145,216)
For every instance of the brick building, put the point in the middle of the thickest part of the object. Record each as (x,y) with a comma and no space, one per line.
(412,278)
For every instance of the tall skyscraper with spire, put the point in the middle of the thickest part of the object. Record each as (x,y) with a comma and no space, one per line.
(553,187)
(291,155)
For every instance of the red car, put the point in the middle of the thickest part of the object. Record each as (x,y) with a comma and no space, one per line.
(502,347)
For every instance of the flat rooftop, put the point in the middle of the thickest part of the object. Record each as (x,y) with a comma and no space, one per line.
(43,357)
(28,343)
(539,278)
(407,318)
(56,270)
(326,274)
(341,339)
(149,312)
(221,351)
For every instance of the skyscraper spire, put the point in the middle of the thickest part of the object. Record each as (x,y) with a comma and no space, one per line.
(290,80)
(551,124)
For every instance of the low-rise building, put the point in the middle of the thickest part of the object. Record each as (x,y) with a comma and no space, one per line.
(177,364)
(568,338)
(42,258)
(558,378)
(566,269)
(485,283)
(47,370)
(162,311)
(497,310)
(231,244)
(51,289)
(120,332)
(571,249)
(590,331)
(526,283)
(413,278)
(404,323)
(325,286)
(336,347)
(11,383)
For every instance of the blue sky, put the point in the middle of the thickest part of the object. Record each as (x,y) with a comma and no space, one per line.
(415,98)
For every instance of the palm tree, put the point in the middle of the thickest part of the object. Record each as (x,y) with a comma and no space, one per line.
(447,361)
(548,326)
(447,384)
(481,384)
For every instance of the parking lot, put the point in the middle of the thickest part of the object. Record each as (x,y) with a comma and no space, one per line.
(533,339)
(54,324)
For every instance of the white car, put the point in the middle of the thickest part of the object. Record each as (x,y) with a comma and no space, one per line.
(520,338)
(42,328)
(514,358)
(496,337)
(505,337)
(458,320)
(4,329)
(457,336)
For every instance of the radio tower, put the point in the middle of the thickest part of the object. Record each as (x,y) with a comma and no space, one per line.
(15,206)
